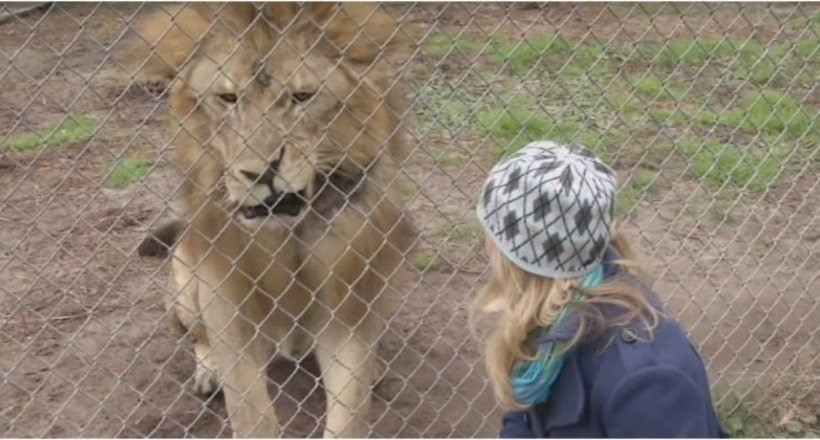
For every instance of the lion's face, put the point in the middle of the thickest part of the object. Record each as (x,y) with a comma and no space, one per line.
(281,99)
(271,122)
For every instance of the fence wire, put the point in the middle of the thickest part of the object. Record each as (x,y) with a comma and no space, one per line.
(388,117)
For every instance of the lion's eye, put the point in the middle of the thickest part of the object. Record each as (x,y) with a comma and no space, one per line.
(230,98)
(301,96)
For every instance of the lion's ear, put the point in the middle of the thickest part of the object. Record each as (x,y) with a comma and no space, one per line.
(308,18)
(164,40)
(280,14)
(236,17)
(366,32)
(319,12)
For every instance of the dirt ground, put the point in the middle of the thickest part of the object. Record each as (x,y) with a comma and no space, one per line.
(85,348)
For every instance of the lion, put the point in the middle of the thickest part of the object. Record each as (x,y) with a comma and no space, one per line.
(290,137)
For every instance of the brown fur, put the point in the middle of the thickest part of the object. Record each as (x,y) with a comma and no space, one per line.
(161,240)
(322,280)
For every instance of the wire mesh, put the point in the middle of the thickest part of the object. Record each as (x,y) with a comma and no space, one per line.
(709,113)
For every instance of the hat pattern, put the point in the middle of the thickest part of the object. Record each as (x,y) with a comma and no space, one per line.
(550,208)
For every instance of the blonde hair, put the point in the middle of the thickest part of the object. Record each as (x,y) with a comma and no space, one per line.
(526,301)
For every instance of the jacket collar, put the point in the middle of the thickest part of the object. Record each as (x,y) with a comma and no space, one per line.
(568,408)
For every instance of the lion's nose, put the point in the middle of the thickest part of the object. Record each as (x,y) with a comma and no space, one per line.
(265,178)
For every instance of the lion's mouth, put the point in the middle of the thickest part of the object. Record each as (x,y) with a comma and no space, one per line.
(290,204)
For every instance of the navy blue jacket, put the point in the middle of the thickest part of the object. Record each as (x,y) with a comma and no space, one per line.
(624,384)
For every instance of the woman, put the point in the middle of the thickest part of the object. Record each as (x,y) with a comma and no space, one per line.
(582,348)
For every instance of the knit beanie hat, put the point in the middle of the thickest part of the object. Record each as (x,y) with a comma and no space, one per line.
(549,209)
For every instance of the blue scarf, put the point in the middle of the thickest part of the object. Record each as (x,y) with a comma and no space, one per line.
(532,381)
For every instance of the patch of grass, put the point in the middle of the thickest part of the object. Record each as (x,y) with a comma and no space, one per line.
(641,183)
(812,21)
(449,158)
(705,118)
(770,111)
(654,86)
(644,180)
(572,57)
(721,211)
(763,71)
(718,165)
(624,105)
(427,262)
(128,171)
(444,108)
(521,122)
(522,55)
(687,53)
(468,231)
(758,62)
(808,47)
(747,59)
(627,201)
(514,126)
(668,117)
(408,188)
(739,421)
(441,44)
(74,129)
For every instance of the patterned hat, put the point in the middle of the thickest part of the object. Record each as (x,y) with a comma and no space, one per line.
(549,208)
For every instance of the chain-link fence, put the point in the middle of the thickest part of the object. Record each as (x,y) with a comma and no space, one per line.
(709,113)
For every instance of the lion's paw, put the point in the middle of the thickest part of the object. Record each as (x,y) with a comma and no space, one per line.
(205,381)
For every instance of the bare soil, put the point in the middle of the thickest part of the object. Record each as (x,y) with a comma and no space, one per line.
(85,349)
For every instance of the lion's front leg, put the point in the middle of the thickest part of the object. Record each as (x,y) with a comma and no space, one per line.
(186,317)
(348,365)
(241,357)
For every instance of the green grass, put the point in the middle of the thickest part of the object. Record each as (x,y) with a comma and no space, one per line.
(654,86)
(74,129)
(687,53)
(427,262)
(749,416)
(748,59)
(511,120)
(808,47)
(521,122)
(128,171)
(521,56)
(627,201)
(408,188)
(468,231)
(444,108)
(718,165)
(601,107)
(771,111)
(801,23)
(449,158)
(741,422)
(514,126)
(641,183)
(440,45)
(549,51)
(681,118)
